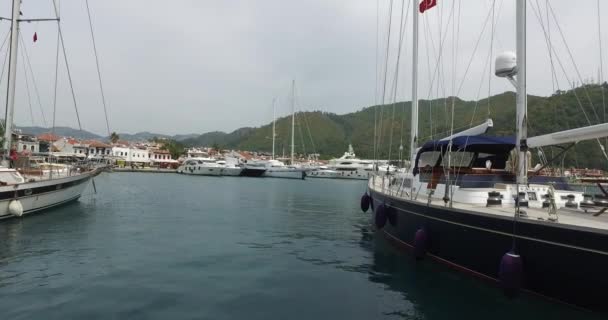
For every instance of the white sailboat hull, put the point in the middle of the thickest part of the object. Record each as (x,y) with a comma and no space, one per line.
(40,195)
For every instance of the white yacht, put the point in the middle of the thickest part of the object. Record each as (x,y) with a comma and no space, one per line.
(230,167)
(323,172)
(201,166)
(277,169)
(348,166)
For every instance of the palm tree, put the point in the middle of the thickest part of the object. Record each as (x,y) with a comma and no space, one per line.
(114,137)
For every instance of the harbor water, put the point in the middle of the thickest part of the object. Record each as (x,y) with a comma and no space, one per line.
(168,246)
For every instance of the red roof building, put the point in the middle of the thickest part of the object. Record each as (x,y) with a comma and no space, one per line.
(48,137)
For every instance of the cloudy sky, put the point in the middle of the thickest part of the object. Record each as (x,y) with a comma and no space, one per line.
(196,66)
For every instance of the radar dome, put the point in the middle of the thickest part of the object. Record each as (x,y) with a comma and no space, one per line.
(506,64)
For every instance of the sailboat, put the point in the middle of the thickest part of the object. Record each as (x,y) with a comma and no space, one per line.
(494,217)
(275,168)
(24,191)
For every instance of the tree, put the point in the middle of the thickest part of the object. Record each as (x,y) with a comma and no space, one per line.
(114,137)
(175,148)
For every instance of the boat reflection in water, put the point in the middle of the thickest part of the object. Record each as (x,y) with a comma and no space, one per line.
(433,291)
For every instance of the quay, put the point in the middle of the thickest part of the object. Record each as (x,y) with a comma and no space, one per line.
(149,170)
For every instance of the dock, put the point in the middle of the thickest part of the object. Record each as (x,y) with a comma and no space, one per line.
(147,170)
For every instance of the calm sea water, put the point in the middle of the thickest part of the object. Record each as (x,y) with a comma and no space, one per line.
(164,246)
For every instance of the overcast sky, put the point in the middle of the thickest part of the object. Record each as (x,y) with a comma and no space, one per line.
(196,66)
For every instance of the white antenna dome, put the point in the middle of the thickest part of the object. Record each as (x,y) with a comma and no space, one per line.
(506,64)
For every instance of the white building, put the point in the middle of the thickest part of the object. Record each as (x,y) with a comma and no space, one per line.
(130,154)
(26,143)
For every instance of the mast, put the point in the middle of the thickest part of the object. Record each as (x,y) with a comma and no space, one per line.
(293,116)
(521,97)
(12,77)
(414,116)
(274,120)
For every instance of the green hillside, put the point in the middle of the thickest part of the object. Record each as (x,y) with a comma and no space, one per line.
(329,134)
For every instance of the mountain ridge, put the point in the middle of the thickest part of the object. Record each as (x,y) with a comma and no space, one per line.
(329,134)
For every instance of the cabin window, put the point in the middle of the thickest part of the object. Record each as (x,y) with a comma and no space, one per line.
(460,159)
(428,159)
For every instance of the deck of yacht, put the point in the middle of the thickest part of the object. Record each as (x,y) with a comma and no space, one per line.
(566,216)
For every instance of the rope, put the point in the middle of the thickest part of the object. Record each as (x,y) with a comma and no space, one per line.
(303,115)
(376,83)
(27,89)
(298,120)
(491,51)
(312,142)
(55,88)
(396,80)
(537,14)
(27,59)
(601,75)
(301,135)
(485,24)
(388,41)
(4,67)
(428,38)
(67,67)
(103,98)
(554,80)
(573,62)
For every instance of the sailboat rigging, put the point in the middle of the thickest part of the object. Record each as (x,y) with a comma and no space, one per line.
(39,185)
(503,221)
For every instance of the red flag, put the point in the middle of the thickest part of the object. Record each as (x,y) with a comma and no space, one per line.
(35,36)
(426,5)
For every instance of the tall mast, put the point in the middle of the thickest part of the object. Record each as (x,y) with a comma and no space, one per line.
(274,120)
(293,116)
(414,117)
(521,98)
(12,77)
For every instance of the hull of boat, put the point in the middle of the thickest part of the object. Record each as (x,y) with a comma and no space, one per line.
(339,174)
(45,194)
(285,174)
(562,262)
(231,171)
(253,172)
(326,174)
(203,171)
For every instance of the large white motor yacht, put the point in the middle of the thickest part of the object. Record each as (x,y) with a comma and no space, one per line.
(201,166)
(277,169)
(348,166)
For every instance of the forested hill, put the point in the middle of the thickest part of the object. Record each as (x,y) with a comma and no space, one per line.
(329,134)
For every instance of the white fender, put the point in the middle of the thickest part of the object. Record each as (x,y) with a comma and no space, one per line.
(15,208)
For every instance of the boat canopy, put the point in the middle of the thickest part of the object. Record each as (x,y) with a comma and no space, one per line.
(500,146)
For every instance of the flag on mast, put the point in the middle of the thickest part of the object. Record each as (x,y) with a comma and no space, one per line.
(426,5)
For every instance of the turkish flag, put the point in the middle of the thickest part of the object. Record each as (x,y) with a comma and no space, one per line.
(35,36)
(426,5)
